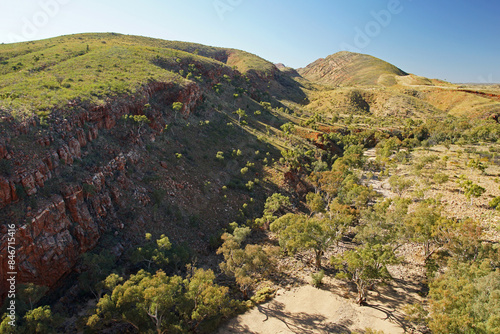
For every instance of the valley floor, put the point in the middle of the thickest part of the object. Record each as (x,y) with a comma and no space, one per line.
(307,309)
(302,308)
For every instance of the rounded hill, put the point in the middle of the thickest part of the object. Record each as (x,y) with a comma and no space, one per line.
(348,69)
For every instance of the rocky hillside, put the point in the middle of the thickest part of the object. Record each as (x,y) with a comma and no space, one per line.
(347,82)
(91,144)
(107,137)
(348,69)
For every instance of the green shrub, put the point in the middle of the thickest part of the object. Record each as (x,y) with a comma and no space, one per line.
(495,203)
(215,240)
(263,295)
(317,278)
(250,185)
(440,178)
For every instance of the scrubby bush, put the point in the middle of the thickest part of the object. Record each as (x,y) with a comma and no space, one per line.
(317,278)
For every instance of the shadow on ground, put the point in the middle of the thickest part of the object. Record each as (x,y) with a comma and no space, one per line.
(304,323)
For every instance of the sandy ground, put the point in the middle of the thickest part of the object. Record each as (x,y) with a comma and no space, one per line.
(306,309)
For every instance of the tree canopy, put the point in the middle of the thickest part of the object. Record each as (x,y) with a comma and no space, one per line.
(162,304)
(299,232)
(365,266)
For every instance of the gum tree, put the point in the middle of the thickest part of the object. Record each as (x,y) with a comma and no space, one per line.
(138,120)
(274,204)
(241,114)
(465,299)
(425,225)
(162,303)
(153,252)
(301,233)
(247,264)
(365,266)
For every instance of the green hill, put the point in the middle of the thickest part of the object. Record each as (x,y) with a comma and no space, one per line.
(348,69)
(41,75)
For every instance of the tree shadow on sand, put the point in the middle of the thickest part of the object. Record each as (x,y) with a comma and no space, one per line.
(390,299)
(302,322)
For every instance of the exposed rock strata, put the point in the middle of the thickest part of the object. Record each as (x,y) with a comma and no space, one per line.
(67,225)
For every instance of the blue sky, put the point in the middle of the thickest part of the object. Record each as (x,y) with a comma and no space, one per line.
(456,40)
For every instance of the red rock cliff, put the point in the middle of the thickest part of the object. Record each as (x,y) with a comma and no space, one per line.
(51,239)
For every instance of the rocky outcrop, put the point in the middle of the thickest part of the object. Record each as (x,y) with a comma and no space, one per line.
(49,245)
(68,225)
(46,243)
(483,94)
(7,192)
(190,97)
(3,151)
(75,137)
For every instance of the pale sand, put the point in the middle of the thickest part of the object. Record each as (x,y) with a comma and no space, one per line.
(310,310)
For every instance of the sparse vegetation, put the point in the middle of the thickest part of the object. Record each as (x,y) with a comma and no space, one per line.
(108,136)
